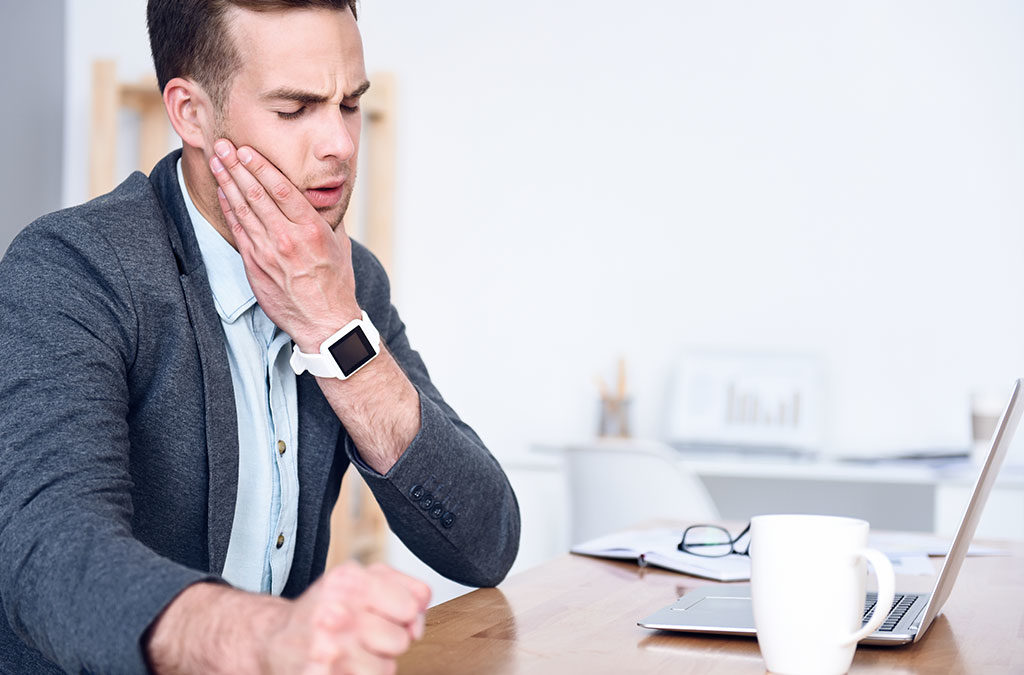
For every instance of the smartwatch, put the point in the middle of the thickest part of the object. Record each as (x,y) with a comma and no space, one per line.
(342,354)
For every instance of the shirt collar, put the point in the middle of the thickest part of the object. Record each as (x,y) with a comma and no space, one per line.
(232,293)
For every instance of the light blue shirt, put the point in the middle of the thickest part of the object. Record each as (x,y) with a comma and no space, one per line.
(262,540)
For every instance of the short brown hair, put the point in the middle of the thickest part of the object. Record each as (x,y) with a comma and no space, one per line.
(187,38)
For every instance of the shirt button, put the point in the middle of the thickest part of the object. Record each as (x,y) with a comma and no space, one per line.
(281,447)
(280,540)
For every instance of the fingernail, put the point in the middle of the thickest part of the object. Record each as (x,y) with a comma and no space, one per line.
(220,193)
(221,148)
(245,155)
(418,629)
(217,166)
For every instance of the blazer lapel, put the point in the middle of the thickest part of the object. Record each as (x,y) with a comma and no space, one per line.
(219,399)
(221,419)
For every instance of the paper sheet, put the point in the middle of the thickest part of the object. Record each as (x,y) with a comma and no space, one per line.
(922,544)
(912,565)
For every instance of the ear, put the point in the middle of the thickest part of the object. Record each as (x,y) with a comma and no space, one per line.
(190,110)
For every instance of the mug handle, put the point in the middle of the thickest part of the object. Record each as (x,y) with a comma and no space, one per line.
(886,593)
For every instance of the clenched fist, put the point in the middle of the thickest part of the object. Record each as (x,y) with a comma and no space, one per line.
(352,621)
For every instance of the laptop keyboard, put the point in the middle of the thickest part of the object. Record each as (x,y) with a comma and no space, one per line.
(900,605)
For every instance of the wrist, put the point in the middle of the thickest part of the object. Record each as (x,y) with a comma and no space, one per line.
(212,628)
(310,339)
(380,409)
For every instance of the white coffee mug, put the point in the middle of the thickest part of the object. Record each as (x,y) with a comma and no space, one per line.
(807,579)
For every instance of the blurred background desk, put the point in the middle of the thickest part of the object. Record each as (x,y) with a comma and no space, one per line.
(577,614)
(889,495)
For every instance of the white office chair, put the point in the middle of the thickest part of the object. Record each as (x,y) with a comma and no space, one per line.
(617,483)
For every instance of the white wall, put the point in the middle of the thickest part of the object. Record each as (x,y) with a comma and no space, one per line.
(579,180)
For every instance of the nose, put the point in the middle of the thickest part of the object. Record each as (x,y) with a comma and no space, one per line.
(335,139)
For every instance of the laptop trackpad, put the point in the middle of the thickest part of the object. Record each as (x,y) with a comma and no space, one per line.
(719,610)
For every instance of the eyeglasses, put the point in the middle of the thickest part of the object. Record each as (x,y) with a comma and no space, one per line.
(711,541)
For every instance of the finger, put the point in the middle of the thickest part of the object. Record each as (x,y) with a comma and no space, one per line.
(333,633)
(419,590)
(375,592)
(365,663)
(237,202)
(418,627)
(268,192)
(243,243)
(229,215)
(290,200)
(337,646)
(379,636)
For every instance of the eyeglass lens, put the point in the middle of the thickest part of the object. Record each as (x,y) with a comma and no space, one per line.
(707,540)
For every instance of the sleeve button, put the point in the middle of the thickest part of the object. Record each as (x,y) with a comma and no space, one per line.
(417,492)
(447,520)
(437,510)
(428,501)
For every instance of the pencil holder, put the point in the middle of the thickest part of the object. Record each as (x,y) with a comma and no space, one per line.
(613,418)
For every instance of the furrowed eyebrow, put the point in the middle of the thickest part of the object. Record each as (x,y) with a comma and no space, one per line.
(297,95)
(308,97)
(360,90)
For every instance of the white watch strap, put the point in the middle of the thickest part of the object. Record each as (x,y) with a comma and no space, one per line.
(323,364)
(316,364)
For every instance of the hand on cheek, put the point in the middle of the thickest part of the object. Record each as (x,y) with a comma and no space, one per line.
(299,268)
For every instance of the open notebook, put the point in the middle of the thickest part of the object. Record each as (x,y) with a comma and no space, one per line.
(658,547)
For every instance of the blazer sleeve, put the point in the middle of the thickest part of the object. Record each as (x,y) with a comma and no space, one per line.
(74,583)
(446,497)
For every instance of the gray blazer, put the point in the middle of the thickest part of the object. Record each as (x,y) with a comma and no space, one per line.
(119,448)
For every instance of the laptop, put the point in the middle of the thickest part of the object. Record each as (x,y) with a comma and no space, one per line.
(726,610)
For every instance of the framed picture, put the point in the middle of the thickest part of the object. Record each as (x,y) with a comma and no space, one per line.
(747,401)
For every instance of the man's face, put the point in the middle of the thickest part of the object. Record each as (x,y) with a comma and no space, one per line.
(295,98)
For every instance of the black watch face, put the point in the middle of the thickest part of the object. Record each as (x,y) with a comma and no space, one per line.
(352,351)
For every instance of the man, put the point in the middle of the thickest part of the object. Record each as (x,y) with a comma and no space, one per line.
(159,454)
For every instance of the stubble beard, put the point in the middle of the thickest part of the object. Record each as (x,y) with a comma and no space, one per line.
(335,215)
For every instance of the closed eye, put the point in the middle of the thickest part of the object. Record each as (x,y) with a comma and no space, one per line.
(291,115)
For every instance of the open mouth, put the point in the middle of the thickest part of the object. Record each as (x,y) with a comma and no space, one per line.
(325,196)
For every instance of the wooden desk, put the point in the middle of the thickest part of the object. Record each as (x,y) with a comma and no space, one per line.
(576,614)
